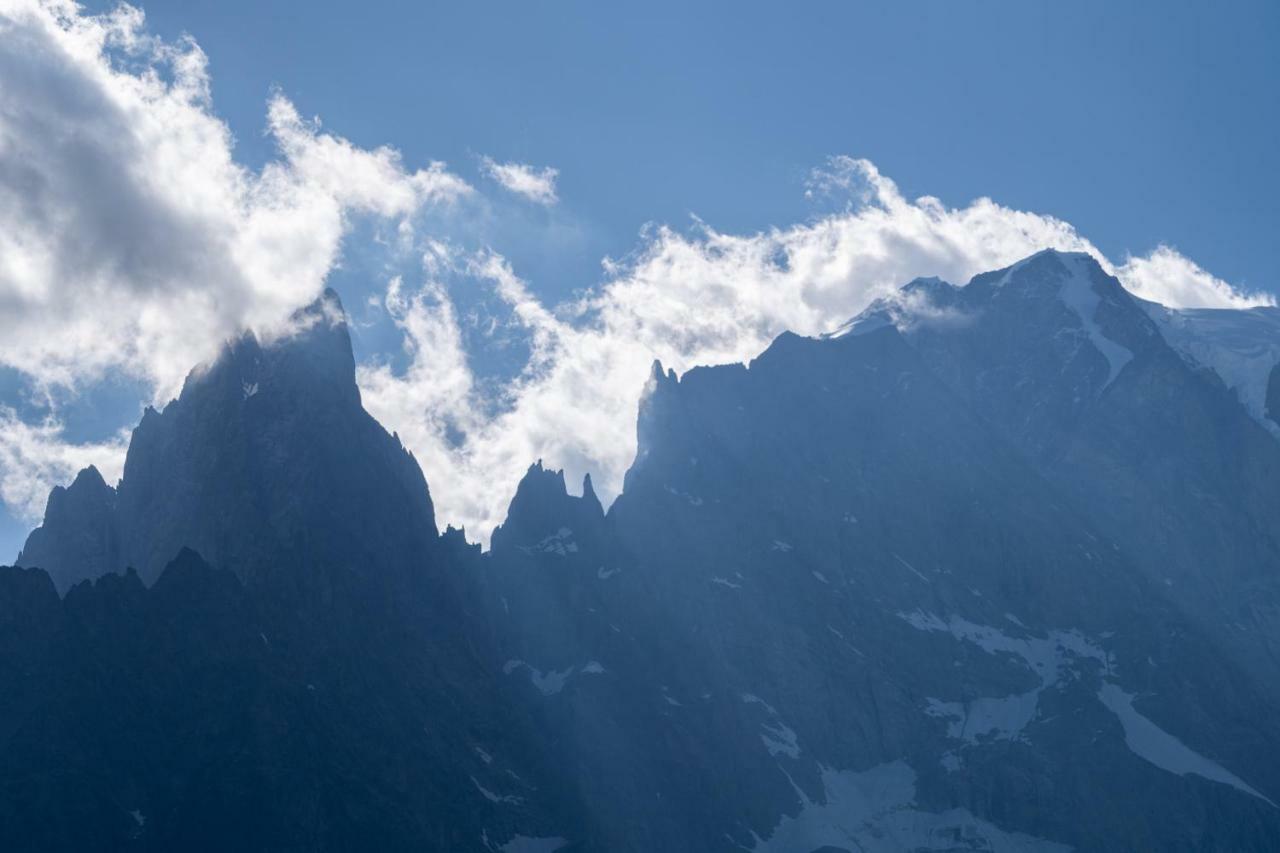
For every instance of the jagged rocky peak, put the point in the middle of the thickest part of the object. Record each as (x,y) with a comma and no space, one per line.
(660,376)
(1061,309)
(919,300)
(88,492)
(931,287)
(310,355)
(79,537)
(543,511)
(267,459)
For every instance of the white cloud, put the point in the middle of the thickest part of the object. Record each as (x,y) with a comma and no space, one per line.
(537,185)
(702,298)
(36,457)
(130,238)
(1172,279)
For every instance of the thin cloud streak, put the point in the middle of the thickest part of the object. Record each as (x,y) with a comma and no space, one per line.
(536,185)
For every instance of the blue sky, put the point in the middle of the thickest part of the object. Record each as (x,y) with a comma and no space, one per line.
(1139,124)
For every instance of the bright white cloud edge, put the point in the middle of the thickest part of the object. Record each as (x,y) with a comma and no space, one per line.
(242,249)
(689,299)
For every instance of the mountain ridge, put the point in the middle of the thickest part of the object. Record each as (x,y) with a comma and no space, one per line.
(957,577)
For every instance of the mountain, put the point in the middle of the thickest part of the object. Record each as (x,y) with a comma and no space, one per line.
(80,537)
(992,568)
(263,642)
(266,453)
(1150,445)
(835,573)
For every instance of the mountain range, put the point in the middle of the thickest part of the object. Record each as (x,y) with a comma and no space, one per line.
(992,567)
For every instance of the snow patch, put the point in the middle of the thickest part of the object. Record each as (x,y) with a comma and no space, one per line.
(1079,295)
(778,738)
(874,811)
(1150,742)
(560,543)
(1005,717)
(996,718)
(693,500)
(552,681)
(496,798)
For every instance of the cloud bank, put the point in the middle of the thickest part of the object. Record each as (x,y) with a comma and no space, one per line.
(130,238)
(132,241)
(688,299)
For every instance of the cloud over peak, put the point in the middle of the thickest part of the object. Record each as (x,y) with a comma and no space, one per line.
(132,241)
(130,237)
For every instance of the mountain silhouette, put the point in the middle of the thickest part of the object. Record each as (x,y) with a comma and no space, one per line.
(993,567)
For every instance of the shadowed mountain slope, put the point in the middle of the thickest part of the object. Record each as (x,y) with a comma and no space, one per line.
(993,568)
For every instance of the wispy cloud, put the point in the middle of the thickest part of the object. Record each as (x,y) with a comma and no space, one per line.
(687,299)
(36,457)
(537,185)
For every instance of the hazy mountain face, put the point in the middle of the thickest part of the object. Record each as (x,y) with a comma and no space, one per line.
(267,456)
(993,568)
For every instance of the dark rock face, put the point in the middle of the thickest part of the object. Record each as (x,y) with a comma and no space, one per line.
(191,716)
(1160,456)
(1273,395)
(80,537)
(321,689)
(992,569)
(882,583)
(265,463)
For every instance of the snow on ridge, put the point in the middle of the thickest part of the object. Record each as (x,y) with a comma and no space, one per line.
(1078,294)
(1240,345)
